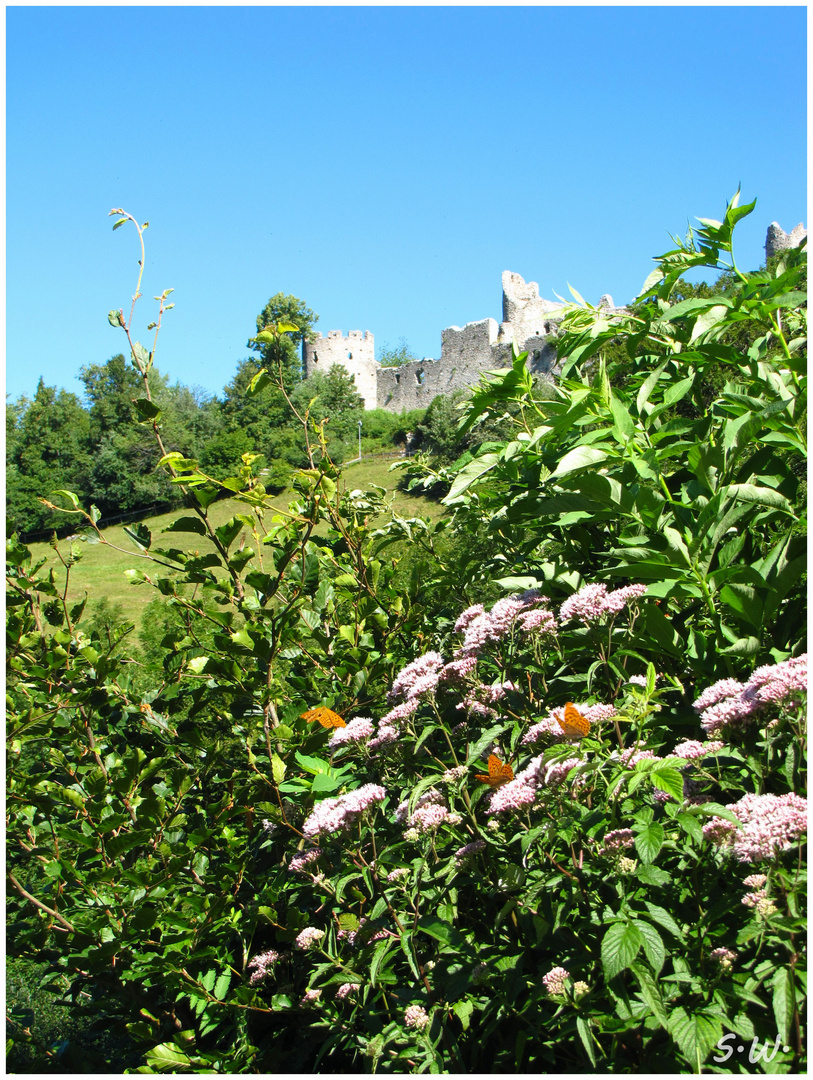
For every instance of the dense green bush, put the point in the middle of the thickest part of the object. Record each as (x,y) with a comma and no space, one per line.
(536,808)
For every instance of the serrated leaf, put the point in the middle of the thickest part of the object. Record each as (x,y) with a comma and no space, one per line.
(649,841)
(654,947)
(620,946)
(696,1035)
(222,985)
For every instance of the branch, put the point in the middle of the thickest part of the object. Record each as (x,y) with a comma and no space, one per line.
(40,904)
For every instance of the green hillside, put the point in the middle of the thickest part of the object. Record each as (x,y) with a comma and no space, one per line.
(100,571)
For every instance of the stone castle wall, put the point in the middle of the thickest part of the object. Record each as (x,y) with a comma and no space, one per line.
(529,323)
(778,240)
(355,353)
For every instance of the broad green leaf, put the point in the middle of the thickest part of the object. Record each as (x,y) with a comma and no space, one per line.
(463,1010)
(649,841)
(620,946)
(696,1034)
(168,1058)
(581,457)
(669,780)
(381,950)
(469,474)
(187,525)
(662,917)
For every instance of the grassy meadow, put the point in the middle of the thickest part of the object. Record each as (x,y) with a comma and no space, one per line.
(100,571)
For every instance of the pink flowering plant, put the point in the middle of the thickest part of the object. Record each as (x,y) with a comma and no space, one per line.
(558,825)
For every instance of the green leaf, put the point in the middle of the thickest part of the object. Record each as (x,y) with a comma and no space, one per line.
(654,947)
(783,1001)
(186,525)
(581,457)
(669,780)
(439,929)
(381,950)
(583,1028)
(764,496)
(649,841)
(147,411)
(278,768)
(650,993)
(469,474)
(167,1058)
(222,985)
(463,1010)
(695,1034)
(662,917)
(619,948)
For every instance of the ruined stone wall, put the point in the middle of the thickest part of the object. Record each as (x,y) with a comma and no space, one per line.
(529,323)
(778,240)
(355,353)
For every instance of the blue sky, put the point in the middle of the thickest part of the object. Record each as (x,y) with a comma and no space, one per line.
(384,164)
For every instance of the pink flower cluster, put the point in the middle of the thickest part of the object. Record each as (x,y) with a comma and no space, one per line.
(416,1017)
(618,840)
(299,862)
(468,850)
(481,627)
(554,981)
(345,989)
(729,703)
(417,678)
(310,997)
(359,728)
(551,726)
(690,749)
(261,966)
(361,936)
(333,815)
(308,937)
(770,824)
(724,957)
(593,602)
(519,792)
(432,796)
(558,770)
(480,698)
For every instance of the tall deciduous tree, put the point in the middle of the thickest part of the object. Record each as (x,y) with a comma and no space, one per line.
(284,309)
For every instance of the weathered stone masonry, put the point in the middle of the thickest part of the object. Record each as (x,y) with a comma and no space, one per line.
(529,323)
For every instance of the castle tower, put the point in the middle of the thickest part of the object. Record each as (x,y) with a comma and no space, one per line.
(355,353)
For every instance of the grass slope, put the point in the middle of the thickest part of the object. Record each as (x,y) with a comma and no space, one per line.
(100,571)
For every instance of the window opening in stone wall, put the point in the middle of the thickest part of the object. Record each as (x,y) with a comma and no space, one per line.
(349,356)
(419,377)
(397,378)
(316,358)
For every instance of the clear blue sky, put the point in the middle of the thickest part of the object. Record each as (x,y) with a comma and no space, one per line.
(384,164)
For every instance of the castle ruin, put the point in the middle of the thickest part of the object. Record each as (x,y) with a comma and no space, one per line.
(529,324)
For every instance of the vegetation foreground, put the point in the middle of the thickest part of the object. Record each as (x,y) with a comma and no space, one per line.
(518,789)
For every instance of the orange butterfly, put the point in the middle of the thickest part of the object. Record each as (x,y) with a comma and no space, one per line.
(326,717)
(498,773)
(574,725)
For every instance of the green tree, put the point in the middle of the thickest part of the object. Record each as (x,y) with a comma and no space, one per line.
(49,451)
(334,398)
(283,351)
(390,356)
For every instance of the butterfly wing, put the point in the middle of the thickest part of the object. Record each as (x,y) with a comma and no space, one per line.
(499,773)
(326,717)
(574,725)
